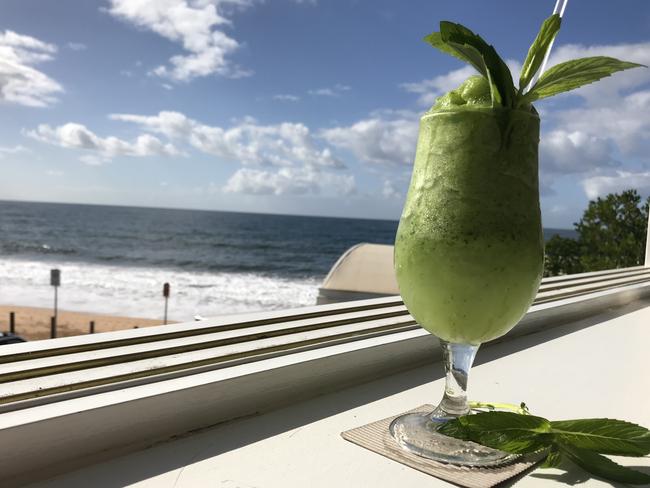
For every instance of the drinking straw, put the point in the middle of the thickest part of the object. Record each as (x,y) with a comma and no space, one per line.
(558,9)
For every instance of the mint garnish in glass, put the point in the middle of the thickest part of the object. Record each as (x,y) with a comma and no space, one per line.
(462,43)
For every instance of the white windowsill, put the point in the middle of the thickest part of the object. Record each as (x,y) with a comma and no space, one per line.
(114,419)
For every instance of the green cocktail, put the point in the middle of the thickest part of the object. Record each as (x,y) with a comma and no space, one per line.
(469,249)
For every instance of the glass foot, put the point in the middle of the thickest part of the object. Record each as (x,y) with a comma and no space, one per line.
(417,433)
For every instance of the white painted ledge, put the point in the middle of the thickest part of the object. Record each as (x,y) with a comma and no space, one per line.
(593,367)
(71,402)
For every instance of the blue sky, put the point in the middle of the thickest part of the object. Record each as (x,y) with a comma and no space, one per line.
(289,106)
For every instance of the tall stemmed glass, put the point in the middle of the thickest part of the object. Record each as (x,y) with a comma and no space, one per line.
(469,252)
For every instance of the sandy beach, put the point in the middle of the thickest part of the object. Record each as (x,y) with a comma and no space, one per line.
(33,323)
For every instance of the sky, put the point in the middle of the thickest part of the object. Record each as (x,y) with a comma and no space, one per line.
(291,106)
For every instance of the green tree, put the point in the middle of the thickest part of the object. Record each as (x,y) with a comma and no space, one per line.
(562,256)
(612,232)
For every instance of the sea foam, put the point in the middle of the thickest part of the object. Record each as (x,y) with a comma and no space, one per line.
(137,291)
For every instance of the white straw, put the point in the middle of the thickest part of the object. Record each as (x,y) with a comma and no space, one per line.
(557,9)
(557,4)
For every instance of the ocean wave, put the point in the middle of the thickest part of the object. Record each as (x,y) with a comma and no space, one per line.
(137,291)
(16,247)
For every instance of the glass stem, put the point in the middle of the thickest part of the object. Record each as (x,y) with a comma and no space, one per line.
(458,359)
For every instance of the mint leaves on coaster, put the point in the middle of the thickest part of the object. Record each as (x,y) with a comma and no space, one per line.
(582,442)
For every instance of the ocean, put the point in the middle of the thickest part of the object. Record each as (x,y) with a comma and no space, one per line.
(114,260)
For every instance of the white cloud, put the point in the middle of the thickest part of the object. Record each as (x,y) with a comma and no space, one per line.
(94,159)
(77,136)
(77,46)
(380,139)
(335,91)
(171,124)
(5,151)
(285,144)
(626,123)
(196,25)
(615,108)
(289,181)
(390,190)
(597,186)
(607,128)
(19,82)
(300,166)
(546,181)
(27,48)
(575,152)
(283,97)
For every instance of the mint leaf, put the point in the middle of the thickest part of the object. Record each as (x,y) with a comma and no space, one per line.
(468,50)
(553,458)
(510,432)
(466,53)
(603,467)
(538,49)
(460,37)
(574,74)
(605,436)
(435,39)
(454,428)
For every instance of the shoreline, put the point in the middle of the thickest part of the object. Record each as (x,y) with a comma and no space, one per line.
(33,323)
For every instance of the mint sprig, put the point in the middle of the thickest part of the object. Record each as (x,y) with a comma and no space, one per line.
(461,42)
(582,442)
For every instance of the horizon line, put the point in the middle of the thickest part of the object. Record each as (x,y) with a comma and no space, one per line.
(152,207)
(2,200)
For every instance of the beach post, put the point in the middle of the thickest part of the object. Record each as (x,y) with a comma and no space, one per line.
(55,281)
(92,326)
(12,322)
(53,327)
(166,295)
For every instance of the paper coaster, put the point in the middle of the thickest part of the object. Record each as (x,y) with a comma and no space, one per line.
(376,438)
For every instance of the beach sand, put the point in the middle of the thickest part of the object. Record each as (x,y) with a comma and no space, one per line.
(34,323)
